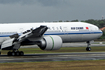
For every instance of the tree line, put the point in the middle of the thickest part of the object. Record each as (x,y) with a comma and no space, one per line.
(99,23)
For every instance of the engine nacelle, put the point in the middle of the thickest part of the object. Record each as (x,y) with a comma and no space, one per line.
(51,43)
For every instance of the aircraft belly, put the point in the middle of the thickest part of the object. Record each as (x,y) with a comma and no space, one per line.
(79,37)
(71,38)
(90,37)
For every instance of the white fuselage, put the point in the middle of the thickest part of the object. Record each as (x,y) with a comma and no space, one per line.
(68,31)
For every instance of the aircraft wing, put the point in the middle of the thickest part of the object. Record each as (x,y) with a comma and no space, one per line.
(38,32)
(15,41)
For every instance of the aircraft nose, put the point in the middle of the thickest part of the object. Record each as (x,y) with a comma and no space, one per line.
(101,33)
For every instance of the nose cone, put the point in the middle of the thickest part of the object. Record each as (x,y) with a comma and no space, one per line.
(101,33)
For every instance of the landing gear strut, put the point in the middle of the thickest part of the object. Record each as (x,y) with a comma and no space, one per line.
(88,48)
(15,53)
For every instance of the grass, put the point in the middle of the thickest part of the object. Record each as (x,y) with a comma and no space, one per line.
(62,50)
(63,65)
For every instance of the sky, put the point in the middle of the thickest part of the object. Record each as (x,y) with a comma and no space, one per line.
(17,11)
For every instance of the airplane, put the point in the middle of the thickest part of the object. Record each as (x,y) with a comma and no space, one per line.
(47,35)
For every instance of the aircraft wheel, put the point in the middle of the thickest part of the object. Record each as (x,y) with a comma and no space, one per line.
(13,53)
(21,53)
(9,53)
(17,53)
(88,49)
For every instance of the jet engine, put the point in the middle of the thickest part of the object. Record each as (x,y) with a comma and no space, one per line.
(51,43)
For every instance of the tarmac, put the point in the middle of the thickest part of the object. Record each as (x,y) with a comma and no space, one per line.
(53,57)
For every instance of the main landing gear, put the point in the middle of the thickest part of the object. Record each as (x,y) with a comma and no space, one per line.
(15,53)
(88,48)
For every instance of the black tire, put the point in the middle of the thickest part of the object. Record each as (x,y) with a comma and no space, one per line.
(88,49)
(9,53)
(13,53)
(17,53)
(21,53)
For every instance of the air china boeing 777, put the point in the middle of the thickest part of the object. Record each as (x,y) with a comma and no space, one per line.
(48,36)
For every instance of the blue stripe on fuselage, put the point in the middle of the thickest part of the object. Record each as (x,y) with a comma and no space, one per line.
(60,33)
(69,33)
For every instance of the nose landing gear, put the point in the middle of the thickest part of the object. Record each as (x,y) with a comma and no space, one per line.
(88,48)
